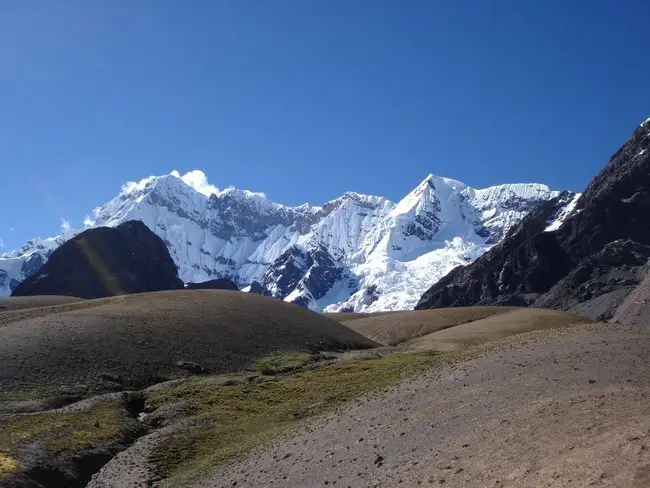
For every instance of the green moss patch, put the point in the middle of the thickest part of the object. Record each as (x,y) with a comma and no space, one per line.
(56,433)
(230,420)
(284,362)
(7,464)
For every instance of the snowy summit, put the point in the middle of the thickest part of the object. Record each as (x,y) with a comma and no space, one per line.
(355,253)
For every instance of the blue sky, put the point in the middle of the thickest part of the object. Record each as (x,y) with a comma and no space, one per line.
(306,99)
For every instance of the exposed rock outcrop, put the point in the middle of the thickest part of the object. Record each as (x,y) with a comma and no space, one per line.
(257,288)
(588,264)
(218,284)
(104,262)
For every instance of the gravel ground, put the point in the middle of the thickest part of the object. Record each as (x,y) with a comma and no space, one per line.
(564,407)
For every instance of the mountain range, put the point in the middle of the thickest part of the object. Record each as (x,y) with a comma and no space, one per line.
(596,263)
(355,253)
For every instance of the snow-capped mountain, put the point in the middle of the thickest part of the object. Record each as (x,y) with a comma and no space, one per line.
(358,252)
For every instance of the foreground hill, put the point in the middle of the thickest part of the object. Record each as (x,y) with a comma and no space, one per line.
(150,432)
(136,340)
(587,257)
(556,408)
(17,303)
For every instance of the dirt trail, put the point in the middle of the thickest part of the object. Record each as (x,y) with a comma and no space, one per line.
(564,407)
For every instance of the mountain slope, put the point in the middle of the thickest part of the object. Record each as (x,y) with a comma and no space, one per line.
(103,262)
(582,254)
(357,252)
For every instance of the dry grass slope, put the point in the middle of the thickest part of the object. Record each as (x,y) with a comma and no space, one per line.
(396,328)
(346,316)
(136,340)
(497,326)
(241,415)
(18,303)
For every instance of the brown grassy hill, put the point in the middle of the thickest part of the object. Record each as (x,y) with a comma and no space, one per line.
(345,316)
(493,327)
(135,340)
(398,327)
(18,303)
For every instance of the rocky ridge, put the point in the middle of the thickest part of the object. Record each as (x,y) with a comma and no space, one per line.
(357,252)
(588,263)
(104,262)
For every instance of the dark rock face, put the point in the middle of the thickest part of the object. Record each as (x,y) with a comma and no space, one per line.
(32,265)
(426,224)
(599,250)
(598,285)
(238,217)
(105,262)
(257,288)
(635,309)
(324,271)
(285,272)
(218,284)
(313,273)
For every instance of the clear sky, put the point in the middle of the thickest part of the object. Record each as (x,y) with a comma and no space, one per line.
(307,99)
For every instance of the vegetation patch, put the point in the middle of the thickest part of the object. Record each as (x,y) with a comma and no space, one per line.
(283,362)
(7,464)
(23,395)
(70,433)
(232,419)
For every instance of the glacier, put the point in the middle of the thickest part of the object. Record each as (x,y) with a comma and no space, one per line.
(355,253)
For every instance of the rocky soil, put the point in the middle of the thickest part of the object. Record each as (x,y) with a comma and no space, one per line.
(567,407)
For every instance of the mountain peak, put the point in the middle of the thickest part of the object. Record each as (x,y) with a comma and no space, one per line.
(429,191)
(165,184)
(363,200)
(231,191)
(582,253)
(368,252)
(435,180)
